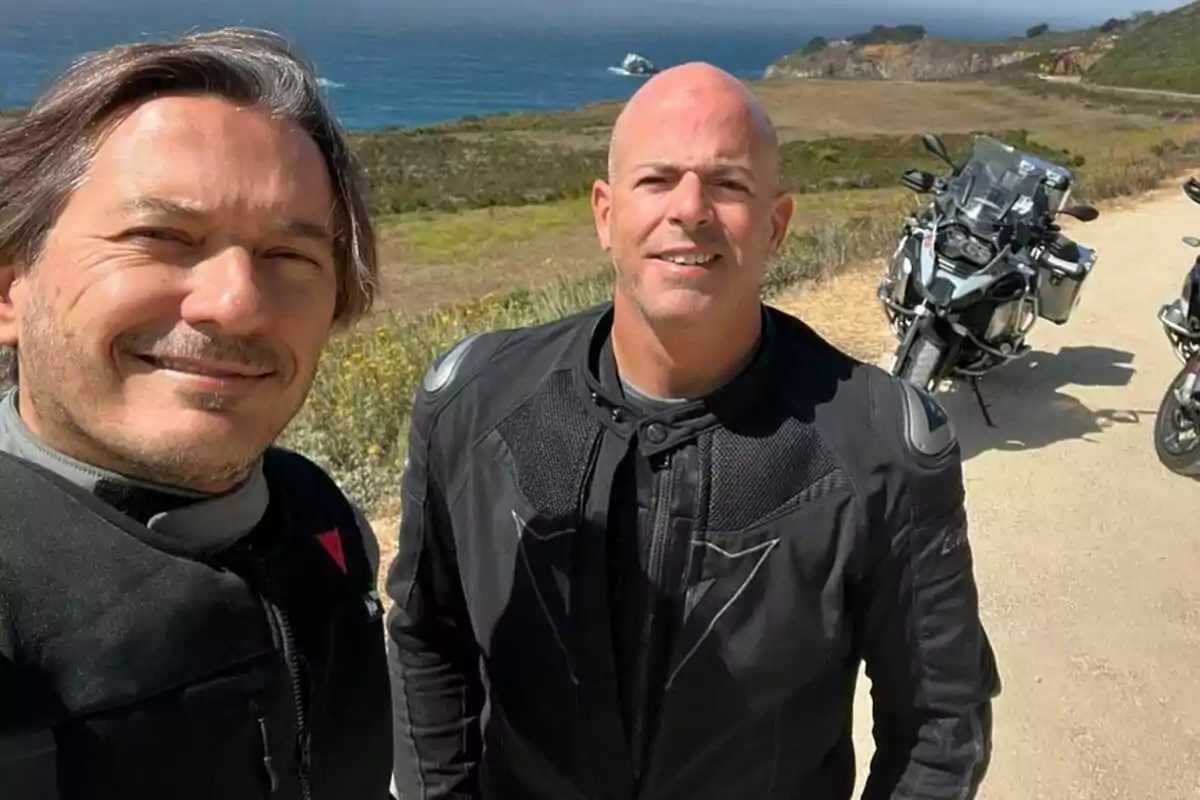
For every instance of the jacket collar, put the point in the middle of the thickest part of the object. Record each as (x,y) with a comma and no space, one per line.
(197,522)
(743,396)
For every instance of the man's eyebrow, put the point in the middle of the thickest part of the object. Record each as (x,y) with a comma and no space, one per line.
(292,228)
(305,229)
(160,205)
(717,168)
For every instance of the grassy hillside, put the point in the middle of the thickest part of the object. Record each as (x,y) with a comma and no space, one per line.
(1161,53)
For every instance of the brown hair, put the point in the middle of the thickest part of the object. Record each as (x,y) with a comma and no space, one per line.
(46,151)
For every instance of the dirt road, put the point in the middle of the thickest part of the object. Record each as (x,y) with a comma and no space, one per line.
(1129,90)
(1087,551)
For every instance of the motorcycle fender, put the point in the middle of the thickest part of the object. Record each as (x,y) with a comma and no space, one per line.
(1193,371)
(1188,393)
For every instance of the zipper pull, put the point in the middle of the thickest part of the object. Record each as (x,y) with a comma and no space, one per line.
(305,754)
(374,605)
(268,761)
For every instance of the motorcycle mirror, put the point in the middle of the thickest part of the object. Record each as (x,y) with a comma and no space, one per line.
(1081,212)
(1191,187)
(1191,241)
(917,180)
(934,145)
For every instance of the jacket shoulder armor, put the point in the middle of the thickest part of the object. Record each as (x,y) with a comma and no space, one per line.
(526,349)
(447,365)
(901,412)
(926,431)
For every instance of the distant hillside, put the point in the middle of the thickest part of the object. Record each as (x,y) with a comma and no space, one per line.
(1162,53)
(906,52)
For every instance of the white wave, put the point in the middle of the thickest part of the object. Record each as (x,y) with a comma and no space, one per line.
(328,84)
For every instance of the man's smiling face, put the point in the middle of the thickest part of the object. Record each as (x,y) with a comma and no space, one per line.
(692,211)
(172,325)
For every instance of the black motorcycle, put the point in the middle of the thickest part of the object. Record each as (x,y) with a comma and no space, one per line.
(1177,425)
(981,263)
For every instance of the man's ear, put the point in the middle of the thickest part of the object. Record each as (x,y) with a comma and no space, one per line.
(601,209)
(10,289)
(781,217)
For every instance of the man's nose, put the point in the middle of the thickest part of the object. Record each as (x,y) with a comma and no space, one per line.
(225,292)
(690,206)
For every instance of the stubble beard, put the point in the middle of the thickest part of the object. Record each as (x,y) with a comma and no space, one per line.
(53,364)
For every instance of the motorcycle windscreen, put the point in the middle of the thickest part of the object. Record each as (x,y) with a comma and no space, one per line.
(1000,181)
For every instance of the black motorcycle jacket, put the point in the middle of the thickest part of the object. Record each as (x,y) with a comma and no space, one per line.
(594,602)
(129,670)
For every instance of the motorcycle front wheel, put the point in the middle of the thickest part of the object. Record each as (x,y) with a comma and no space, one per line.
(1176,433)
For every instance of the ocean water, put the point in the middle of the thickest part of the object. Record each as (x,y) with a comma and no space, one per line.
(402,75)
(386,66)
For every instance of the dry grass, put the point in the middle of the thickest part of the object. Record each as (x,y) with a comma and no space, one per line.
(434,258)
(842,307)
(437,258)
(811,109)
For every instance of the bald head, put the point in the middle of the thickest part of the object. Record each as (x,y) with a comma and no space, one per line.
(693,207)
(697,94)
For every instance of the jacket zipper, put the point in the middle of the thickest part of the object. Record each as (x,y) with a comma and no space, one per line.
(662,516)
(289,654)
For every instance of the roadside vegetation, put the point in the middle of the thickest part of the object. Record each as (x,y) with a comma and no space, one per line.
(431,170)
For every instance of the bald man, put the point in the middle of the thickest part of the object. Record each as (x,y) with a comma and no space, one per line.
(645,548)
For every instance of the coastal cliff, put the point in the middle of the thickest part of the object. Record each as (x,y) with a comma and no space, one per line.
(906,53)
